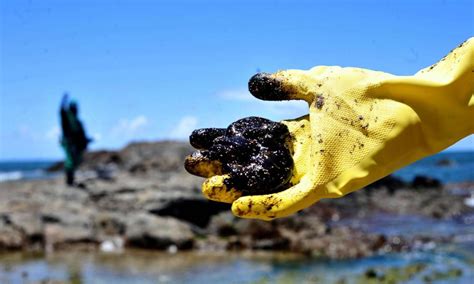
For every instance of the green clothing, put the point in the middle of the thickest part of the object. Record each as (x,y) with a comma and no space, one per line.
(74,140)
(73,155)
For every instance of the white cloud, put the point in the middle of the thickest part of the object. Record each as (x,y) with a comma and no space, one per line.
(24,131)
(236,95)
(288,109)
(130,127)
(138,122)
(97,136)
(53,133)
(185,126)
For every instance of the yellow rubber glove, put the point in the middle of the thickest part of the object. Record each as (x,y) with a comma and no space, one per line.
(362,125)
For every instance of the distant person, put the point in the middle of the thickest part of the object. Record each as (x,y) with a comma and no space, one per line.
(74,140)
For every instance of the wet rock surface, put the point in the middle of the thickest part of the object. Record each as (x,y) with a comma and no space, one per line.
(162,208)
(149,231)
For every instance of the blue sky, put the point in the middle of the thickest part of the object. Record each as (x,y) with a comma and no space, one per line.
(148,70)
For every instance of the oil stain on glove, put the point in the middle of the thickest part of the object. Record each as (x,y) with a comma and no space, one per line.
(361,126)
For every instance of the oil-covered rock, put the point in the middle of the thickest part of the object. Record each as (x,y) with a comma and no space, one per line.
(251,150)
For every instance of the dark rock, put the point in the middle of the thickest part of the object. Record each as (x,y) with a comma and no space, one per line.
(445,163)
(196,211)
(137,157)
(68,223)
(252,151)
(107,172)
(255,237)
(56,235)
(256,229)
(371,273)
(440,204)
(109,224)
(149,231)
(155,156)
(425,182)
(390,182)
(56,167)
(10,237)
(222,225)
(92,160)
(30,225)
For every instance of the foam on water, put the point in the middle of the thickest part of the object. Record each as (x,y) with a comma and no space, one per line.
(24,170)
(6,176)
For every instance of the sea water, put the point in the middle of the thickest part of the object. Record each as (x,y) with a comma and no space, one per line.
(195,267)
(445,166)
(25,170)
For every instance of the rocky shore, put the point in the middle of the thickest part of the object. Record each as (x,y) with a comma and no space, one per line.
(141,197)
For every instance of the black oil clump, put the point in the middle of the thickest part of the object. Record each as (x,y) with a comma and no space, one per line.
(266,87)
(252,151)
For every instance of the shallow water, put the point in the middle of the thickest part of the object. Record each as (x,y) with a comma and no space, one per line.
(461,228)
(141,266)
(153,267)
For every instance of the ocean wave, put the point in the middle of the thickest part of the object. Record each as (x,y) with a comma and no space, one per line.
(14,175)
(25,175)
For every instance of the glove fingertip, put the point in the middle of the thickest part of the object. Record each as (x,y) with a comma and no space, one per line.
(266,87)
(215,189)
(248,207)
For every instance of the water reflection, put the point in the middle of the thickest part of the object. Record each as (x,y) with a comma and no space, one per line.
(135,266)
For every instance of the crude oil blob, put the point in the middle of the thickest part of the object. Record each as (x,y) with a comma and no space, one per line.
(251,150)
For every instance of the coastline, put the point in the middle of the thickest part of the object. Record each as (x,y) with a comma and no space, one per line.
(137,209)
(144,199)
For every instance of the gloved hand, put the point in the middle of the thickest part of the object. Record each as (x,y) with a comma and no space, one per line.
(362,125)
